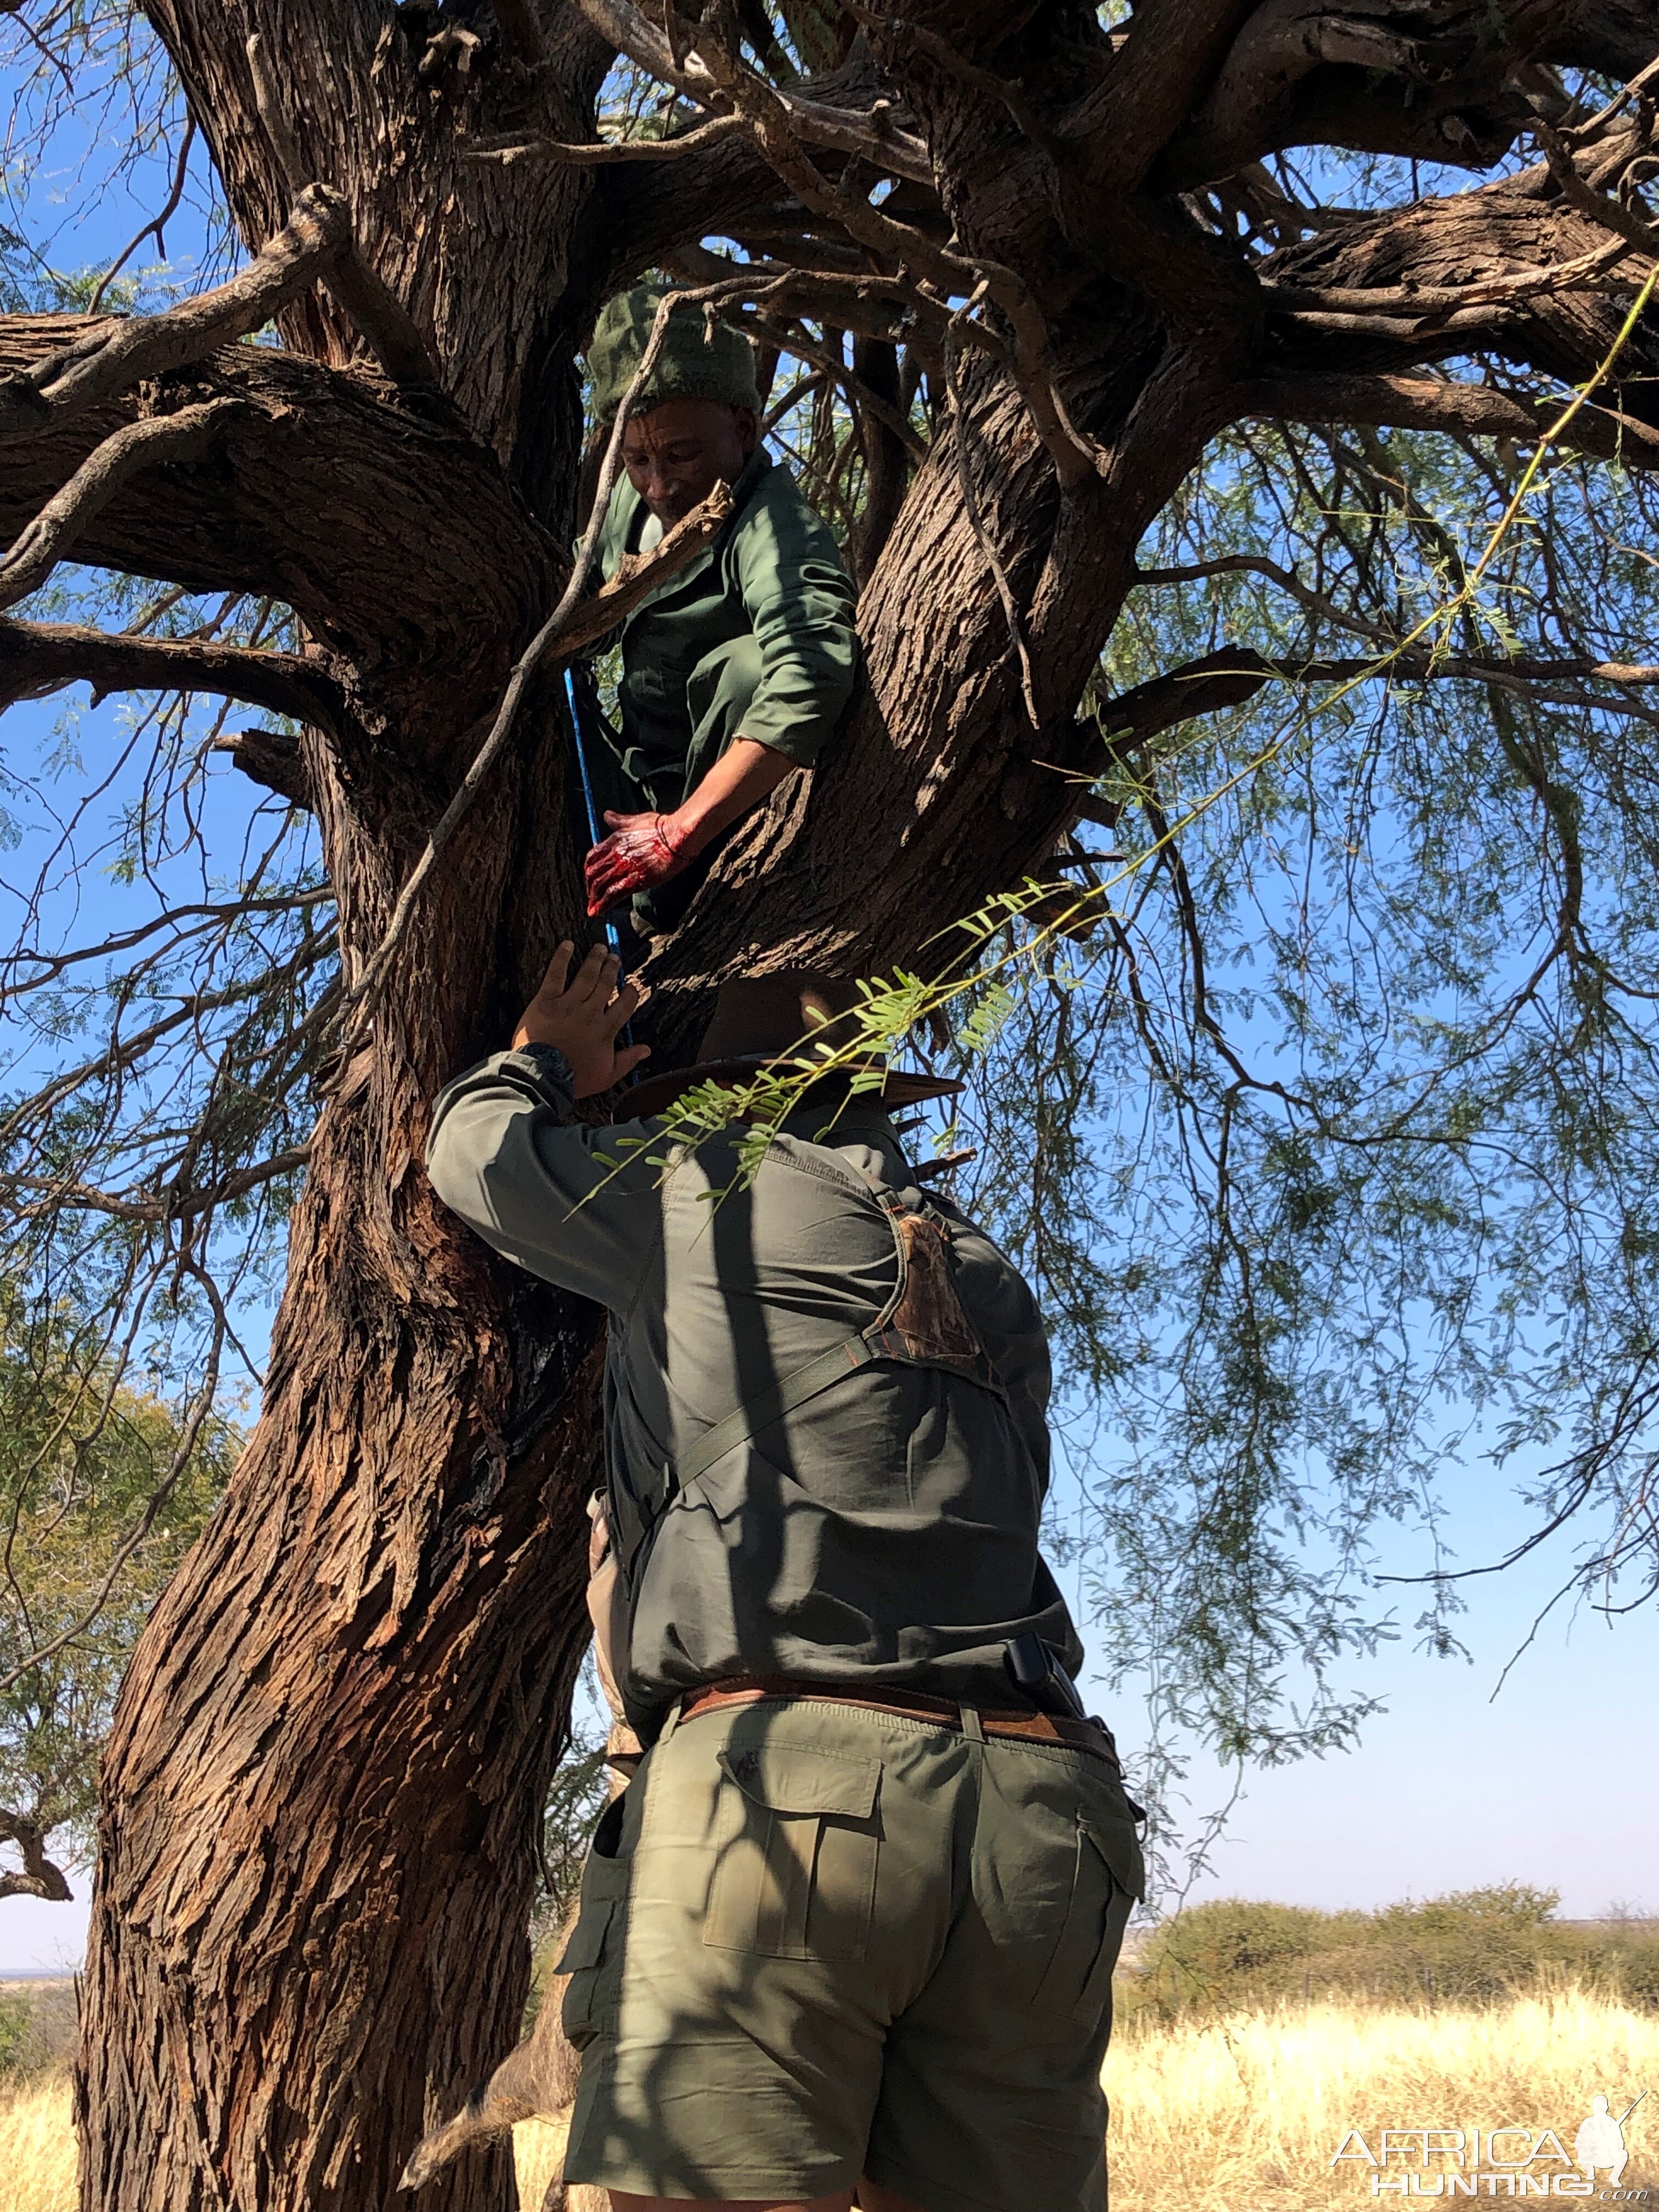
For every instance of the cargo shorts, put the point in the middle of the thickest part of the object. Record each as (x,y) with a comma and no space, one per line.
(816,1942)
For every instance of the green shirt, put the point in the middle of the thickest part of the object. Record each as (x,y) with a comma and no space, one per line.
(884,1532)
(774,573)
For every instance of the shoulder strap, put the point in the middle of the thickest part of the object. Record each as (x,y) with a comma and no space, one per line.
(771,1404)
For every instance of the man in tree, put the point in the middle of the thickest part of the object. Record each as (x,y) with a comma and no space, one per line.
(738,669)
(851,1927)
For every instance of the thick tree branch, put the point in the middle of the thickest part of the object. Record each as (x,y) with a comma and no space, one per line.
(1233,675)
(1380,78)
(1201,687)
(1409,403)
(271,758)
(1473,244)
(38,1876)
(429,562)
(1120,125)
(66,516)
(36,658)
(108,361)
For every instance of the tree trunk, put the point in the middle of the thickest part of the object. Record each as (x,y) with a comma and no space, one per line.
(332,1750)
(315,1863)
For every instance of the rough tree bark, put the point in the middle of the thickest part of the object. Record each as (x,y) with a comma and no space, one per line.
(321,1790)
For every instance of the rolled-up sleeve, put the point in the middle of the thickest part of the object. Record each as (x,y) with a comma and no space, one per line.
(801,604)
(582,1207)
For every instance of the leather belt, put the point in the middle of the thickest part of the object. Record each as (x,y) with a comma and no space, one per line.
(1027,1727)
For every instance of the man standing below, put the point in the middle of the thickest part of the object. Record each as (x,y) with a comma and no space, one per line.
(847,1935)
(739,668)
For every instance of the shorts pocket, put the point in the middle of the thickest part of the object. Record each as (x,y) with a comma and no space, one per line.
(1108,1876)
(592,1956)
(795,1873)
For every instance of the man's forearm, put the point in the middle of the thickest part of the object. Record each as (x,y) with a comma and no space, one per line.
(746,773)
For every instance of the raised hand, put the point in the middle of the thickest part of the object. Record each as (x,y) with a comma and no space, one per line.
(582,1018)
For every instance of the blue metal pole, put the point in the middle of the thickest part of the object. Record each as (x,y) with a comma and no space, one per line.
(595,835)
(612,934)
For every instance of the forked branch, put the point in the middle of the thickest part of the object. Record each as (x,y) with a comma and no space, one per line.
(109,360)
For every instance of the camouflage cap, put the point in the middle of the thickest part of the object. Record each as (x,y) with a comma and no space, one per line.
(697,362)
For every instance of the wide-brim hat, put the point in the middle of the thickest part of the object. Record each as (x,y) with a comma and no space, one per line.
(775,1024)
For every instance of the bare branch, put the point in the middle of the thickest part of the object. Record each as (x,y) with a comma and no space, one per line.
(103,364)
(514,147)
(181,1203)
(39,1877)
(640,575)
(147,443)
(153,230)
(36,658)
(797,341)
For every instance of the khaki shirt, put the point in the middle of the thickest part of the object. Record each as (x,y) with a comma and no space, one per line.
(773,572)
(883,1533)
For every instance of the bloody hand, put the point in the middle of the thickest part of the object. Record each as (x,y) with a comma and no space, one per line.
(642,851)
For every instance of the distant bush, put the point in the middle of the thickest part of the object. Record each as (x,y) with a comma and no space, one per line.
(1470,1947)
(17,2036)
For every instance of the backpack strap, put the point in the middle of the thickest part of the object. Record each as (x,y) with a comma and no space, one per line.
(771,1404)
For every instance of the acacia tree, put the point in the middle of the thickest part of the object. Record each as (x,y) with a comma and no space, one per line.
(1052,262)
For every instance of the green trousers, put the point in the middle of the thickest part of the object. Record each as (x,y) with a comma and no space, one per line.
(817,1940)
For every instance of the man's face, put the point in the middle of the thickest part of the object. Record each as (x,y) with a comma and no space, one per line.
(678,453)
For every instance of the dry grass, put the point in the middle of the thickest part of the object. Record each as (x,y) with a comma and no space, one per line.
(1237,2115)
(37,2146)
(37,2150)
(1245,2113)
